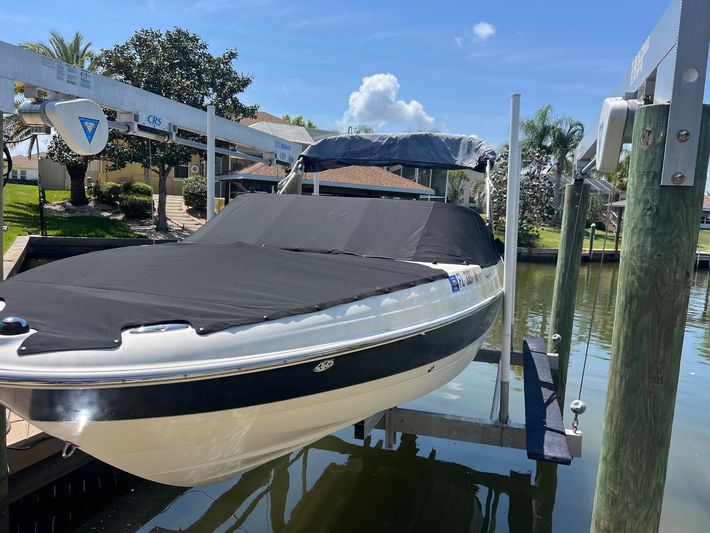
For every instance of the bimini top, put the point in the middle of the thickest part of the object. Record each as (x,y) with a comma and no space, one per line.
(263,257)
(419,150)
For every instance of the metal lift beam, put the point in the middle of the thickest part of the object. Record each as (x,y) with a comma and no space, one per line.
(670,67)
(57,80)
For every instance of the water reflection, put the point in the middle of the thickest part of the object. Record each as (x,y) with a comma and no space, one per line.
(340,486)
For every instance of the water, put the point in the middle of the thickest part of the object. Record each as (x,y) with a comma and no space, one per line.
(341,485)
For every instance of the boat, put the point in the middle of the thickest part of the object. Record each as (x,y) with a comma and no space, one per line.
(283,319)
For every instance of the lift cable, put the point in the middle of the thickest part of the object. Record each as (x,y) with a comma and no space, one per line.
(578,406)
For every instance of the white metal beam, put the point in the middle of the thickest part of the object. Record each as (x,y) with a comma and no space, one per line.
(60,80)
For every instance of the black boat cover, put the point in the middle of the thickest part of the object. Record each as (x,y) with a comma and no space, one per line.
(84,302)
(419,150)
(263,257)
(370,227)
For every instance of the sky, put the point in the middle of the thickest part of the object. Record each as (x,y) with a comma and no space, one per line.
(397,66)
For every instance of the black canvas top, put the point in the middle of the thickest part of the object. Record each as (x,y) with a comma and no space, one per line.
(419,150)
(84,302)
(261,258)
(371,227)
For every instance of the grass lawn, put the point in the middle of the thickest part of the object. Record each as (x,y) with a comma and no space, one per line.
(704,240)
(550,238)
(21,216)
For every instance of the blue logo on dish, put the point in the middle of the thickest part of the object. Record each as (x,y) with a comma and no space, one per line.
(90,125)
(455,287)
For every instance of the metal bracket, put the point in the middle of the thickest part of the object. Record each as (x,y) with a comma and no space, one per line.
(686,110)
(670,67)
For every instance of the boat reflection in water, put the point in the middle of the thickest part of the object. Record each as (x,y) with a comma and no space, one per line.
(338,486)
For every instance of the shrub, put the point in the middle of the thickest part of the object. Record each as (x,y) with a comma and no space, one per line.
(107,193)
(137,188)
(137,206)
(597,212)
(194,193)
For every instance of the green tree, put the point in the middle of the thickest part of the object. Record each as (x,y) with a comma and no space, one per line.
(76,166)
(554,136)
(536,198)
(620,178)
(363,128)
(457,182)
(176,64)
(566,136)
(300,121)
(539,130)
(75,52)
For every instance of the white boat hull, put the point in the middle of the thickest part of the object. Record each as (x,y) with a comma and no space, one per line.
(182,409)
(203,448)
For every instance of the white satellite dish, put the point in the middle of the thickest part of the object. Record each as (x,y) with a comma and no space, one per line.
(81,124)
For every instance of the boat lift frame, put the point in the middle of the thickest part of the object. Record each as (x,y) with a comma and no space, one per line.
(151,116)
(669,68)
(543,434)
(139,112)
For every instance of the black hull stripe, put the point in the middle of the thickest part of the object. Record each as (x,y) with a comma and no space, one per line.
(249,389)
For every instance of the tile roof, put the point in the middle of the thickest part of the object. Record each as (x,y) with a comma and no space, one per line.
(23,162)
(361,177)
(263,116)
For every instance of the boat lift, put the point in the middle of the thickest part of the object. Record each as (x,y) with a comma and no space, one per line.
(71,99)
(543,434)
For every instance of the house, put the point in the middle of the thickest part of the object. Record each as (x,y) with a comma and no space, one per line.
(370,182)
(620,205)
(235,175)
(25,168)
(705,216)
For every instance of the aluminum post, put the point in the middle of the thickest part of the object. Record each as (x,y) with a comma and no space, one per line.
(210,161)
(511,253)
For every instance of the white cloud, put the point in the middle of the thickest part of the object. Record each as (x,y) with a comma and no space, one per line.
(375,103)
(483,31)
(458,41)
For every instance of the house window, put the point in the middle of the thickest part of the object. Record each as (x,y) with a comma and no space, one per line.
(23,174)
(180,172)
(14,174)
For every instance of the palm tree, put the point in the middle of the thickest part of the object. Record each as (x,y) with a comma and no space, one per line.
(539,130)
(75,52)
(567,134)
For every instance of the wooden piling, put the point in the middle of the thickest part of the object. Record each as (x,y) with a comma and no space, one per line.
(661,234)
(574,217)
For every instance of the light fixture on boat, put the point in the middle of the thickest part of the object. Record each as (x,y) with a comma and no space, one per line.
(13,325)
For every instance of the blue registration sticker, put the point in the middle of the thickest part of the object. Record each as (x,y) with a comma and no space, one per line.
(455,287)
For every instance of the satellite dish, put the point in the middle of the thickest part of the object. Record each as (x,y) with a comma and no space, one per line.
(81,124)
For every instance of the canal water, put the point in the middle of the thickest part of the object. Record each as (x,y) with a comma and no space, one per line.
(340,484)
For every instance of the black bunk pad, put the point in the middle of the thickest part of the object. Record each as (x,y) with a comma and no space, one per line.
(371,227)
(84,302)
(418,150)
(544,427)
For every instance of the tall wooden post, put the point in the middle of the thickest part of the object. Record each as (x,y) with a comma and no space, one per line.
(662,224)
(574,215)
